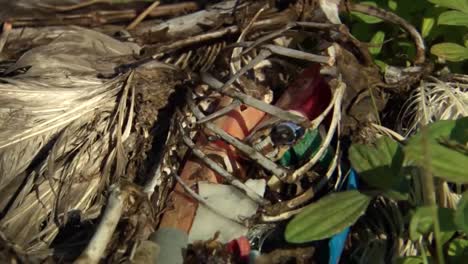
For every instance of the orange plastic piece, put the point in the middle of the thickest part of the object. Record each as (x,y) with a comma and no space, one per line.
(237,123)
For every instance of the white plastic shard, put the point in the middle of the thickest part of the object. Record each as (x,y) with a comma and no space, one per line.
(232,203)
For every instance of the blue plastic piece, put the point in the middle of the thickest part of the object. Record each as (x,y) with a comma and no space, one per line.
(253,255)
(172,243)
(337,242)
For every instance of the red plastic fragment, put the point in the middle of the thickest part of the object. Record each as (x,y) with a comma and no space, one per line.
(309,94)
(240,247)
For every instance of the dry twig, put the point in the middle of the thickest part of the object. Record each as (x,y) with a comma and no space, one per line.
(75,6)
(101,238)
(391,17)
(102,17)
(244,148)
(250,101)
(202,201)
(220,170)
(143,15)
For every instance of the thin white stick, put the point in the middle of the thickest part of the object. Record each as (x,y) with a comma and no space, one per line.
(156,179)
(202,201)
(331,131)
(142,15)
(331,168)
(281,217)
(221,171)
(389,132)
(220,112)
(251,101)
(98,244)
(307,195)
(236,52)
(319,119)
(253,154)
(297,54)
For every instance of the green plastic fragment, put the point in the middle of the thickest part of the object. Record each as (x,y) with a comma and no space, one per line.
(305,149)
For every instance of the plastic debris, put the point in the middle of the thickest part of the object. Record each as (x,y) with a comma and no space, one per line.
(232,203)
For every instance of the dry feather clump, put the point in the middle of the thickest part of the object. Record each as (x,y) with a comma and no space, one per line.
(67,135)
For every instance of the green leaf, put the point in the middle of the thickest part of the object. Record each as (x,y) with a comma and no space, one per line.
(392,4)
(458,251)
(378,165)
(406,47)
(327,217)
(396,195)
(450,51)
(427,25)
(422,221)
(377,42)
(410,260)
(461,5)
(446,236)
(453,18)
(459,133)
(461,215)
(382,65)
(446,163)
(366,18)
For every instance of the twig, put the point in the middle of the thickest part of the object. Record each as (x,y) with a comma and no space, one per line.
(287,52)
(297,54)
(252,63)
(267,37)
(318,25)
(103,17)
(156,177)
(280,210)
(391,17)
(202,201)
(75,6)
(244,148)
(331,168)
(389,132)
(289,26)
(323,147)
(281,217)
(190,24)
(250,101)
(216,34)
(285,206)
(96,247)
(236,52)
(220,112)
(197,39)
(314,124)
(143,15)
(221,171)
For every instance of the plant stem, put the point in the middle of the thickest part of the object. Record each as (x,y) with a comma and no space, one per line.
(423,252)
(429,192)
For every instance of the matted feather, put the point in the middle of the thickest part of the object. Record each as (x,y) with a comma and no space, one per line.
(433,100)
(59,123)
